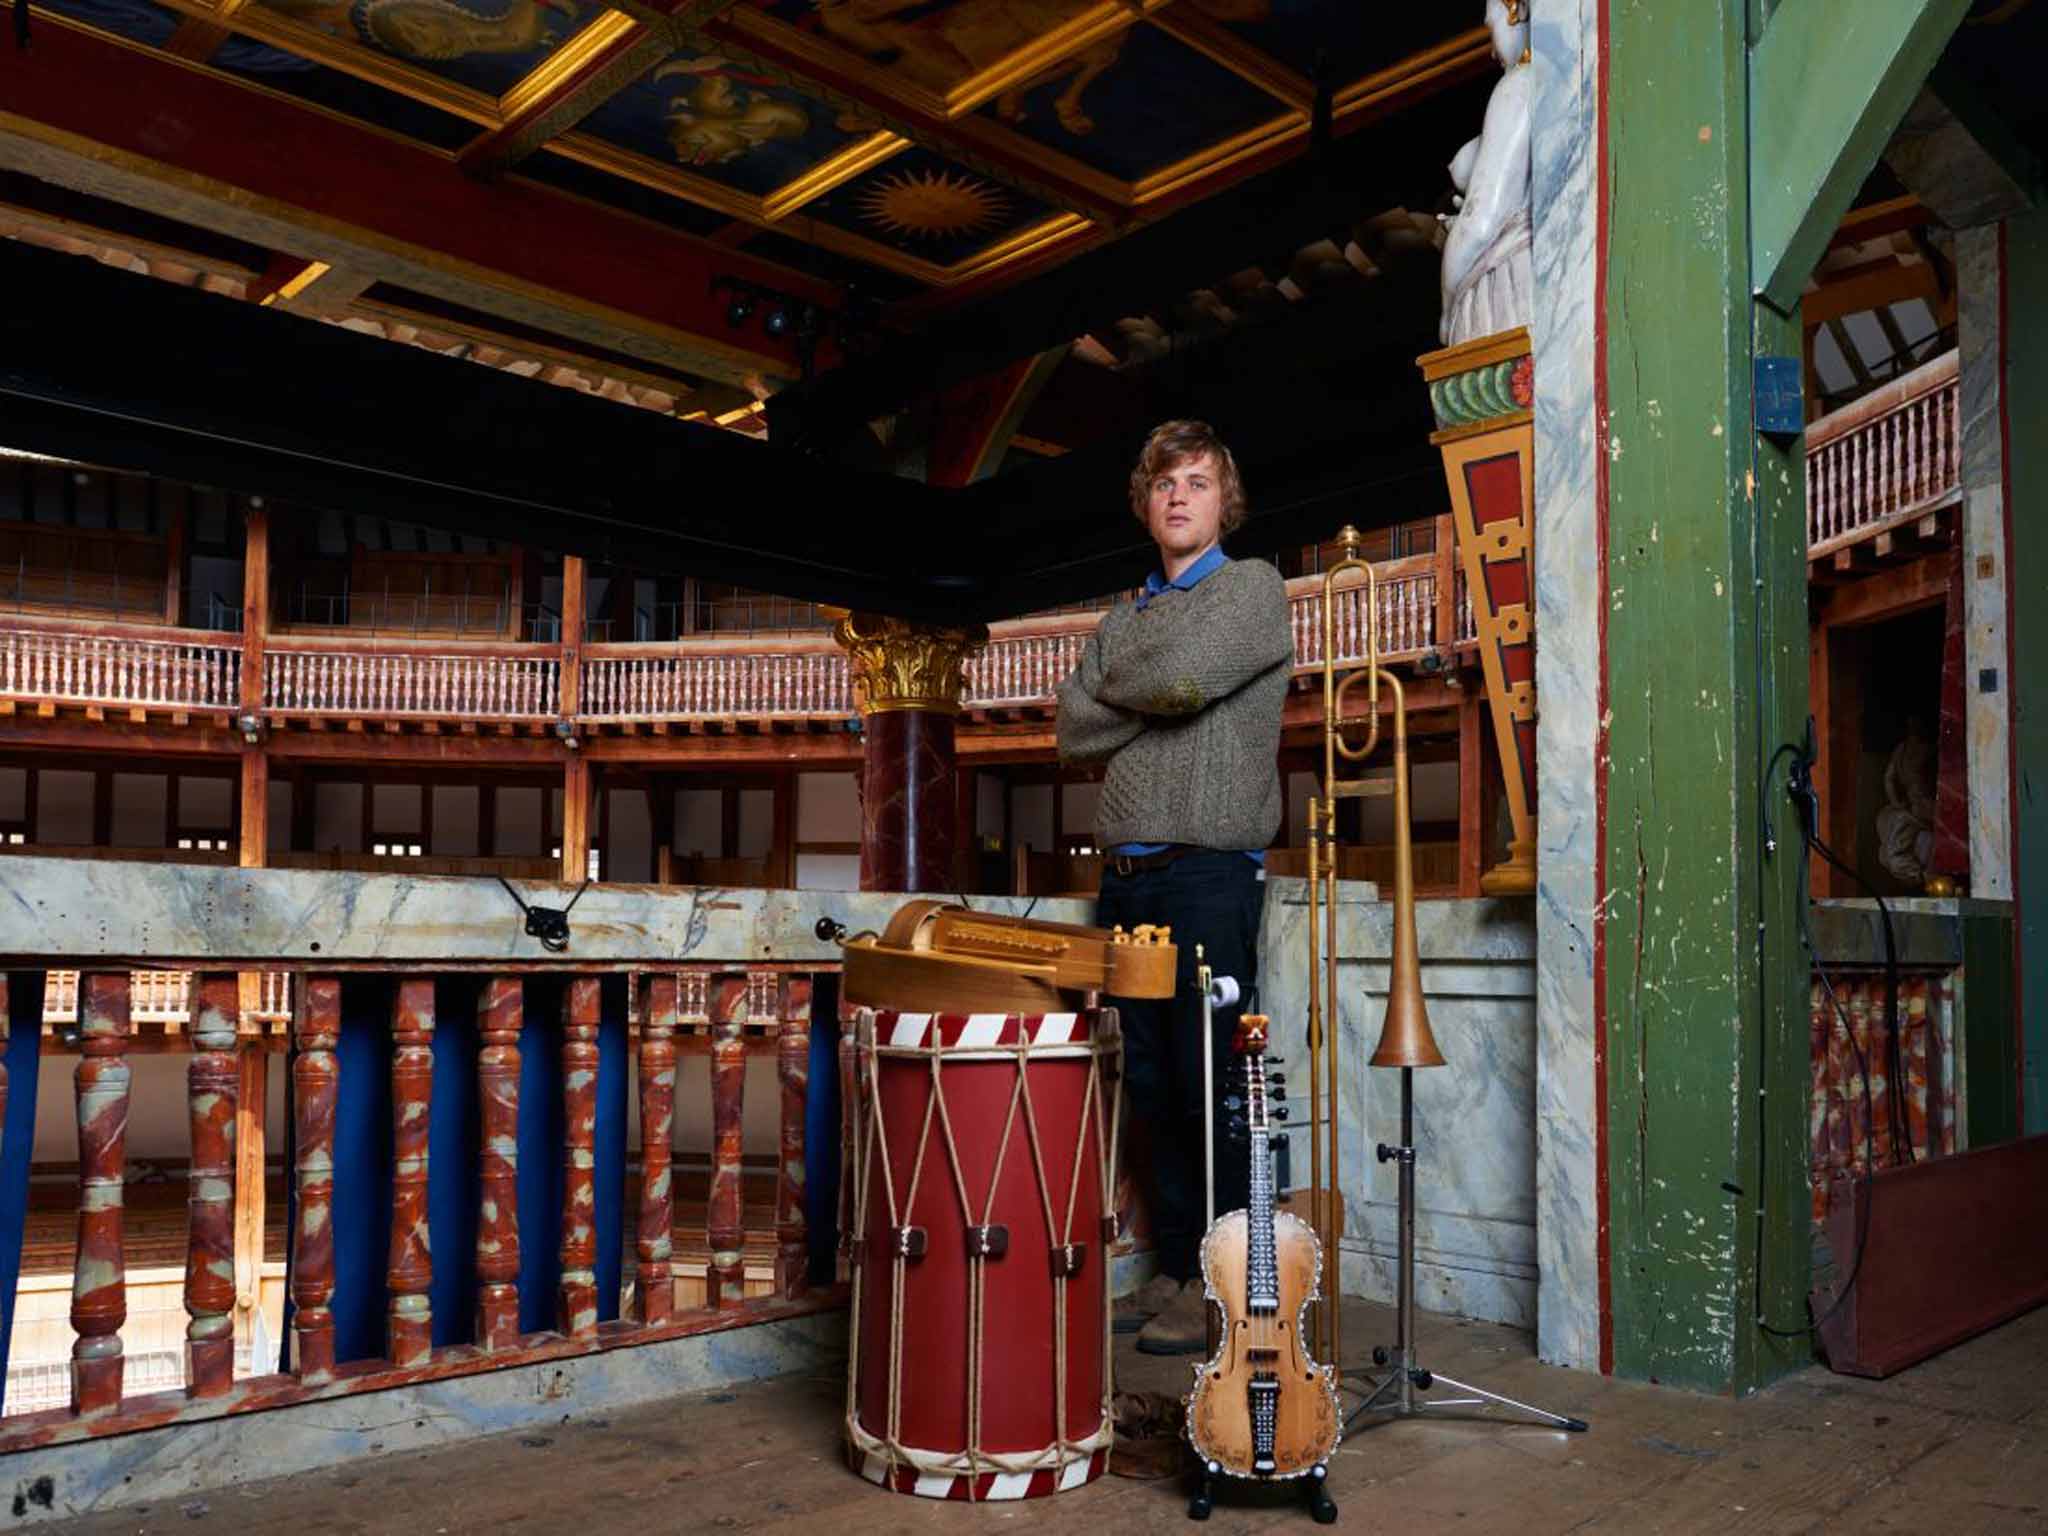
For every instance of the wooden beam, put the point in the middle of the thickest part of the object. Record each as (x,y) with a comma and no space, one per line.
(1886,282)
(1829,81)
(575,819)
(261,167)
(600,61)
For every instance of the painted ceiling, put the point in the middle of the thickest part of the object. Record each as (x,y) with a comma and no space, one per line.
(906,145)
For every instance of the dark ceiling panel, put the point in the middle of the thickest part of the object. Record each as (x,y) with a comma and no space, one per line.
(487,45)
(567,175)
(1157,102)
(320,86)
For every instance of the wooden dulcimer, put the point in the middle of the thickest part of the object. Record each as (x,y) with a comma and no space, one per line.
(942,956)
(1262,1408)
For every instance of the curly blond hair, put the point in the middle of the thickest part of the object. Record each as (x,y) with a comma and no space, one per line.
(1175,442)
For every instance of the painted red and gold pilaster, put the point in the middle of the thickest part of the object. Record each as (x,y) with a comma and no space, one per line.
(725,1280)
(578,1316)
(908,685)
(99,1278)
(655,1288)
(1483,392)
(316,1075)
(213,1085)
(409,1336)
(497,1228)
(793,1070)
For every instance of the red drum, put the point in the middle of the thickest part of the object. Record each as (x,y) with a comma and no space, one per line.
(982,1174)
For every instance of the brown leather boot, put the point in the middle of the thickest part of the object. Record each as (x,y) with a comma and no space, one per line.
(1182,1328)
(1150,1299)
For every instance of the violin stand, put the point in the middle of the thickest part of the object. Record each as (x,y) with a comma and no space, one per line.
(1395,1392)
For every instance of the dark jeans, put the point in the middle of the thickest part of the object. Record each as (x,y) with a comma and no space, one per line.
(1212,899)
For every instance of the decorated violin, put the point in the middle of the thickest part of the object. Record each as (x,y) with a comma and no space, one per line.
(1262,1408)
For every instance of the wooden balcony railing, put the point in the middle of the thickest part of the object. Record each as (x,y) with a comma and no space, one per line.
(1888,459)
(791,677)
(108,665)
(765,1010)
(732,679)
(396,680)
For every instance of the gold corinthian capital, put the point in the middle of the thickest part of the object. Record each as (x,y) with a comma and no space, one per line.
(900,665)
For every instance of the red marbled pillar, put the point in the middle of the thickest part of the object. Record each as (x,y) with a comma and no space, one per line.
(578,1305)
(315,1077)
(213,1087)
(725,1280)
(1950,855)
(655,1288)
(906,801)
(409,1338)
(793,1070)
(99,1294)
(497,1227)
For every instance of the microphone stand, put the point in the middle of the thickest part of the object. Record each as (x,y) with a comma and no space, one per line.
(1395,1393)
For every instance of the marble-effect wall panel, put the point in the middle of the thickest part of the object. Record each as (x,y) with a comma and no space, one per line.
(1986,716)
(1569,585)
(1475,1123)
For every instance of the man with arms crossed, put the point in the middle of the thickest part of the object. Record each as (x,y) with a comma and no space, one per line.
(1180,691)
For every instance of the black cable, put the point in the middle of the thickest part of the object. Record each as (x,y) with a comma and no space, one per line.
(548,924)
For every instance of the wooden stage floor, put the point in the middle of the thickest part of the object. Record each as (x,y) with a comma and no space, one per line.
(1957,1446)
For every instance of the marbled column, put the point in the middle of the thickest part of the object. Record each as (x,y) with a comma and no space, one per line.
(578,1311)
(906,802)
(410,1272)
(213,1087)
(1988,716)
(497,1228)
(1564,179)
(99,1294)
(908,684)
(725,1218)
(793,1069)
(316,1075)
(655,1287)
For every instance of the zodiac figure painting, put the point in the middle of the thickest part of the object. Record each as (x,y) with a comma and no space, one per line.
(437,30)
(714,119)
(938,46)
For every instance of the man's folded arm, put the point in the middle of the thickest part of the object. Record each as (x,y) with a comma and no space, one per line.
(1182,660)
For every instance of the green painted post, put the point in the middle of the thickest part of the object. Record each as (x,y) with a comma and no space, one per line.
(2026,406)
(1706,674)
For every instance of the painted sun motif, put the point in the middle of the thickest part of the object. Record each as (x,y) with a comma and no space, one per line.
(932,204)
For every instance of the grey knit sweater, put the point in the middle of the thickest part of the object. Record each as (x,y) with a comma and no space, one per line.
(1183,699)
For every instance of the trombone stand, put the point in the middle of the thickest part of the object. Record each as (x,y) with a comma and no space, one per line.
(1406,1376)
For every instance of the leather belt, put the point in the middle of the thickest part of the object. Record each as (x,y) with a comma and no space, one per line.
(1128,864)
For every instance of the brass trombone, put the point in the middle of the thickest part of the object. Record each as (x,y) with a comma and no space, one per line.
(1405,1037)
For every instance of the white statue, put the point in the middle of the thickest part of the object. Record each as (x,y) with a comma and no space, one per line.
(1905,822)
(1486,278)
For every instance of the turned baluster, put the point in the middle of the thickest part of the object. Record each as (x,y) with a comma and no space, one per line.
(793,1070)
(213,1083)
(726,1279)
(579,1184)
(99,1295)
(315,1077)
(497,1228)
(410,1275)
(655,1288)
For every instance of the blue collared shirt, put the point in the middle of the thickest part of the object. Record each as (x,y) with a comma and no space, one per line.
(1186,581)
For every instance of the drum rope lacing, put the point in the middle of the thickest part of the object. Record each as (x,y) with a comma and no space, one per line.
(973,1461)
